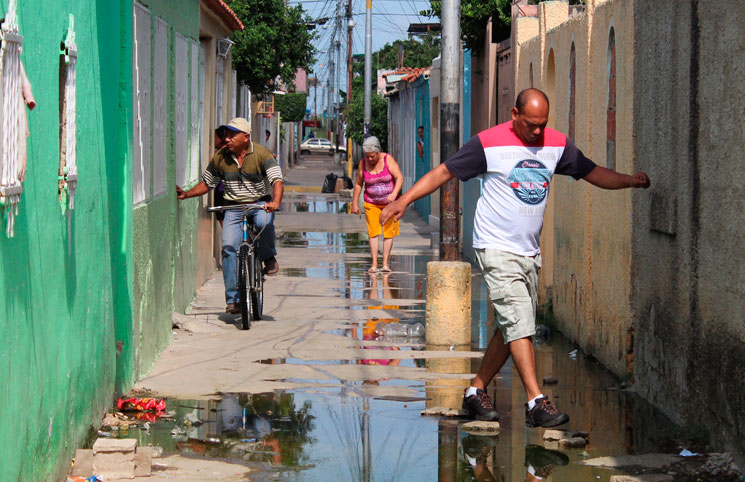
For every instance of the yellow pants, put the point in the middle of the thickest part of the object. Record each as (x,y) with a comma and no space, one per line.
(372,217)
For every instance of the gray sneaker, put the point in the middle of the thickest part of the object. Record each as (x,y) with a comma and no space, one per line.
(479,407)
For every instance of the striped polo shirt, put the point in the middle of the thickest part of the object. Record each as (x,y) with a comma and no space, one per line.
(244,183)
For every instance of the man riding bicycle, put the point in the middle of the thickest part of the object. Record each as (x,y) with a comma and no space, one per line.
(246,169)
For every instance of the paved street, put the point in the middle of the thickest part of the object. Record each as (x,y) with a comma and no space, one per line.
(302,396)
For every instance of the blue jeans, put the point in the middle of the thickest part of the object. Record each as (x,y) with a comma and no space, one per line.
(232,237)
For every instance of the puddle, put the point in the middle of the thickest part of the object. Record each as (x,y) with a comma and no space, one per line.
(360,431)
(372,429)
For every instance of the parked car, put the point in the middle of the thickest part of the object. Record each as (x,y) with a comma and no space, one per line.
(316,145)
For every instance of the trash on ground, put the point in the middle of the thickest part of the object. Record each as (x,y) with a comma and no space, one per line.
(687,453)
(141,404)
(399,329)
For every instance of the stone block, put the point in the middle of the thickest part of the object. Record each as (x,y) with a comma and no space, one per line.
(114,458)
(442,412)
(83,463)
(481,428)
(143,461)
(557,434)
(573,442)
(642,478)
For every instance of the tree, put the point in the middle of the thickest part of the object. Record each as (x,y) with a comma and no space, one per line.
(356,114)
(274,44)
(416,54)
(290,106)
(474,16)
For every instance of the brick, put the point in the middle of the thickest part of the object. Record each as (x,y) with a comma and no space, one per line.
(103,445)
(114,458)
(143,461)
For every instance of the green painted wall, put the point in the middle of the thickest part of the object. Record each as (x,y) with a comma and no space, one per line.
(64,277)
(165,230)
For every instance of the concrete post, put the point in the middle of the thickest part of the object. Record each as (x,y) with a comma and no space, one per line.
(448,303)
(447,392)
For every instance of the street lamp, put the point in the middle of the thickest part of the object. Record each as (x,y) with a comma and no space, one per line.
(223,46)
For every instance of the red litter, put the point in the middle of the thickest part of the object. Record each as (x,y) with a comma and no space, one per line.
(141,404)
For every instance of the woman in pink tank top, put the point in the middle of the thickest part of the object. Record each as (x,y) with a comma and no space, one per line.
(381,180)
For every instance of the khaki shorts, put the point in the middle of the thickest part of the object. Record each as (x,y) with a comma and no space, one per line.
(513,283)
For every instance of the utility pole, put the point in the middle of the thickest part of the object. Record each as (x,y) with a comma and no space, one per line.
(330,113)
(368,69)
(449,130)
(337,129)
(350,78)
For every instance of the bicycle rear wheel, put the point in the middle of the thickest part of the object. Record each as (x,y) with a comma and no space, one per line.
(244,285)
(257,289)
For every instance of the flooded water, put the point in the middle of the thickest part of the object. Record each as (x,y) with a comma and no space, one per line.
(357,431)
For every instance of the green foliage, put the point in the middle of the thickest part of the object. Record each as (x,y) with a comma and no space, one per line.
(417,54)
(291,106)
(356,115)
(474,16)
(274,44)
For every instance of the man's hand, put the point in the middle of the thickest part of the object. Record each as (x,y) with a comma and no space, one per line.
(640,179)
(355,208)
(271,206)
(394,210)
(180,193)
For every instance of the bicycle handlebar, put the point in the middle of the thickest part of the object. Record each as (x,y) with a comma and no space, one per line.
(243,207)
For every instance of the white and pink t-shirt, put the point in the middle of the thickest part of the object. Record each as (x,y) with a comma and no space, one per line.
(516,179)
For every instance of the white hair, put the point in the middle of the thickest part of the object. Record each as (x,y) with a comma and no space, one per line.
(371,144)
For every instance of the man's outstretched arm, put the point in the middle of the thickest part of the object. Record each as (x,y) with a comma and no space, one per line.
(607,179)
(197,190)
(423,187)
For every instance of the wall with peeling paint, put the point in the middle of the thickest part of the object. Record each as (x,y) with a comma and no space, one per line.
(164,229)
(689,278)
(64,278)
(586,238)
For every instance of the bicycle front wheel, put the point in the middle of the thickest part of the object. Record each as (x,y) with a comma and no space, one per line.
(244,285)
(257,290)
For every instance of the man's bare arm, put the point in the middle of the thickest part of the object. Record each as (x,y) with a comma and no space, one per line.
(423,187)
(607,179)
(197,190)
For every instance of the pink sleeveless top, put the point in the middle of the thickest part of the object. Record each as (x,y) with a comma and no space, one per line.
(378,186)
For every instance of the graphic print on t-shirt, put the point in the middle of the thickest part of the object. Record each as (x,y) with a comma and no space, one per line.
(529,181)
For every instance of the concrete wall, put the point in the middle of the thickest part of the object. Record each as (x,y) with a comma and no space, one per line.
(164,229)
(586,239)
(689,281)
(64,278)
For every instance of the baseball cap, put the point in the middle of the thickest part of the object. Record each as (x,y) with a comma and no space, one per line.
(239,124)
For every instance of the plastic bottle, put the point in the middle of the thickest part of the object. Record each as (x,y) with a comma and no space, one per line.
(415,330)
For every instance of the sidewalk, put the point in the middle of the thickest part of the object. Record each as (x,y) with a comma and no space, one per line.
(309,173)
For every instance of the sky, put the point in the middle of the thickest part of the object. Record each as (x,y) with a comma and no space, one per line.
(390,21)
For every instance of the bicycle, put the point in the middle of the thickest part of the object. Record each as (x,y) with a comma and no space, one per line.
(250,273)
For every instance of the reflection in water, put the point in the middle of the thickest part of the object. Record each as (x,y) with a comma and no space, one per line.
(350,433)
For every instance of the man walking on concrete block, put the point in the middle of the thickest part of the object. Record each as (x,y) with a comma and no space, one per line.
(516,160)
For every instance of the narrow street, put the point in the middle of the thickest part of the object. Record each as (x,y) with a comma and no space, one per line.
(302,396)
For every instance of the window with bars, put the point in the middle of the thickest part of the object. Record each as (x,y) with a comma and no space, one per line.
(13,121)
(68,166)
